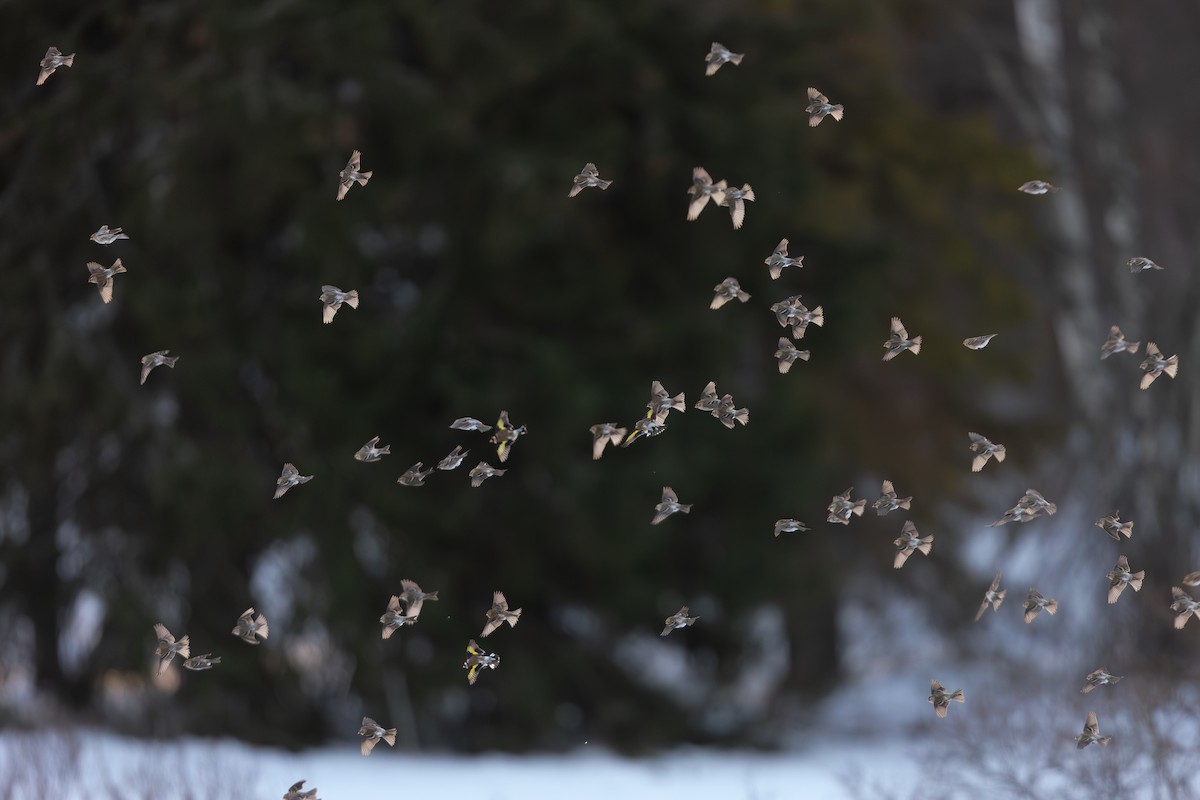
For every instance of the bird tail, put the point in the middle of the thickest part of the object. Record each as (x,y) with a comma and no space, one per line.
(389,736)
(1052,607)
(926,545)
(818,317)
(858,508)
(747,192)
(604,184)
(170,361)
(68,61)
(1104,740)
(957,695)
(363,177)
(431,596)
(1127,529)
(185,648)
(1000,453)
(906,503)
(736,58)
(836,112)
(686,509)
(263,630)
(916,345)
(352,298)
(119,267)
(1133,346)
(513,617)
(1135,582)
(1171,368)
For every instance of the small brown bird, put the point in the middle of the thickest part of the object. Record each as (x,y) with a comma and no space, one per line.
(588,177)
(297,792)
(994,596)
(778,261)
(1100,677)
(1113,526)
(898,341)
(454,459)
(787,353)
(393,618)
(1155,365)
(709,401)
(1031,506)
(288,478)
(1116,343)
(370,452)
(889,501)
(413,476)
(735,200)
(498,614)
(984,450)
(52,61)
(1141,264)
(726,290)
(469,424)
(841,507)
(156,359)
(372,732)
(662,403)
(1037,187)
(679,619)
(670,505)
(1191,579)
(1034,604)
(1119,577)
(605,433)
(107,235)
(941,698)
(702,190)
(249,628)
(789,526)
(332,299)
(908,542)
(1091,733)
(978,342)
(350,175)
(791,312)
(168,647)
(102,276)
(505,435)
(1184,606)
(200,663)
(819,107)
(477,660)
(718,55)
(413,599)
(728,414)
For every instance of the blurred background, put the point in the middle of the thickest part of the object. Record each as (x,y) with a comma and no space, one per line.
(213,133)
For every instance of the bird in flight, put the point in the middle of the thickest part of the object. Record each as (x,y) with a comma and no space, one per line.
(350,175)
(719,55)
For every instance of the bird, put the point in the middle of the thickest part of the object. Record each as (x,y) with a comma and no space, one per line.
(726,290)
(898,341)
(350,175)
(779,260)
(250,629)
(787,353)
(102,276)
(498,614)
(841,507)
(908,542)
(413,599)
(1141,264)
(1091,733)
(1184,606)
(791,312)
(159,358)
(1116,343)
(789,526)
(1113,526)
(288,478)
(168,647)
(718,55)
(1034,604)
(297,792)
(393,618)
(984,449)
(454,459)
(702,190)
(1119,577)
(106,235)
(52,61)
(735,200)
(1031,506)
(370,452)
(372,732)
(941,698)
(1191,579)
(605,433)
(647,426)
(588,177)
(332,298)
(819,107)
(994,596)
(469,424)
(889,501)
(709,401)
(413,476)
(476,660)
(669,505)
(505,435)
(728,415)
(1100,677)
(978,342)
(662,403)
(679,619)
(198,663)
(1037,187)
(1156,365)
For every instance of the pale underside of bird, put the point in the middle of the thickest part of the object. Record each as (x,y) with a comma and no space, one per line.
(841,507)
(1141,264)
(898,341)
(669,505)
(718,55)
(994,596)
(786,354)
(453,459)
(1100,677)
(1037,187)
(735,200)
(201,663)
(978,342)
(587,178)
(371,451)
(890,501)
(702,190)
(647,426)
(908,542)
(372,733)
(482,471)
(250,629)
(1156,364)
(941,698)
(156,359)
(52,61)
(168,647)
(984,450)
(288,478)
(679,619)
(296,792)
(106,235)
(506,433)
(819,107)
(1116,343)
(469,424)
(350,175)
(1120,576)
(1091,733)
(414,476)
(789,526)
(499,614)
(726,290)
(1184,606)
(102,276)
(662,402)
(604,434)
(1035,602)
(779,260)
(1113,526)
(332,299)
(478,660)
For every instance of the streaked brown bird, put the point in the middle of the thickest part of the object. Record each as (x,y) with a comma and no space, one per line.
(670,505)
(994,596)
(1034,604)
(167,647)
(52,61)
(250,628)
(102,276)
(288,478)
(156,359)
(350,175)
(372,733)
(605,433)
(332,299)
(587,178)
(819,107)
(718,55)
(678,620)
(941,698)
(499,614)
(1091,733)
